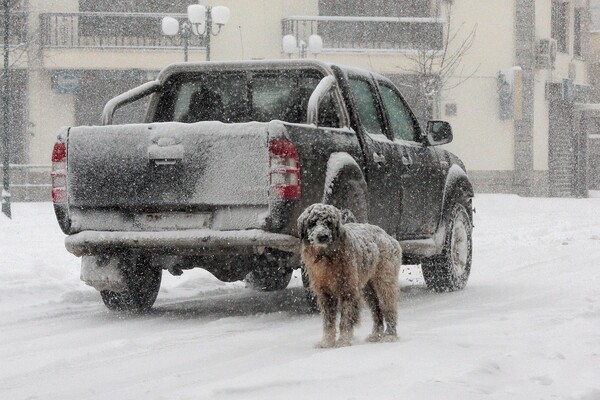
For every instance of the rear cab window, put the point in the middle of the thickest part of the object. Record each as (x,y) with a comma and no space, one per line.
(238,96)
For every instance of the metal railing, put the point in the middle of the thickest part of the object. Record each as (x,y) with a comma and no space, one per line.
(30,182)
(385,34)
(17,28)
(109,30)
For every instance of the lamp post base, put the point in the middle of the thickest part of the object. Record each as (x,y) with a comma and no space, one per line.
(6,203)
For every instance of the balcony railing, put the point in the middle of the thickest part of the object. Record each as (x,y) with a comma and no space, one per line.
(17,28)
(383,34)
(30,182)
(109,30)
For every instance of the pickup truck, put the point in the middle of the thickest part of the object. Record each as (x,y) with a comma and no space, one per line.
(229,156)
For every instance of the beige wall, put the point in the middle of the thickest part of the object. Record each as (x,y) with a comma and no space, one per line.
(48,112)
(254,30)
(481,139)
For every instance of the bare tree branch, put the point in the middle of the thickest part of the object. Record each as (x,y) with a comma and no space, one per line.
(437,70)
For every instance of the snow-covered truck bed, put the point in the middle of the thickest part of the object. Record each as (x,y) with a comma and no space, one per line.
(228,157)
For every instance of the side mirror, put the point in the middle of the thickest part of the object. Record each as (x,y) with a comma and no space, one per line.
(438,132)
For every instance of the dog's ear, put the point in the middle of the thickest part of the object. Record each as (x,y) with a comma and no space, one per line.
(303,222)
(347,216)
(337,221)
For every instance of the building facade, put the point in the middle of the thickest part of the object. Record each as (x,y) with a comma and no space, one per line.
(508,75)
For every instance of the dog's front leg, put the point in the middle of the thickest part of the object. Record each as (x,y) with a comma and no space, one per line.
(350,315)
(329,306)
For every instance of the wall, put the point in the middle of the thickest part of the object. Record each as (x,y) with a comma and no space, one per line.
(482,140)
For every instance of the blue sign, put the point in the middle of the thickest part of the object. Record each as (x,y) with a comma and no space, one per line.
(66,81)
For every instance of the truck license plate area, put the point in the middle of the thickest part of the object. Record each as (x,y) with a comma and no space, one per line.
(172,221)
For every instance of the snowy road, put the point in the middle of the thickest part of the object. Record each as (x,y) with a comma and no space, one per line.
(526,327)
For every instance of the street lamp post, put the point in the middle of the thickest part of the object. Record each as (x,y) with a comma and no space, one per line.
(200,23)
(291,45)
(5,199)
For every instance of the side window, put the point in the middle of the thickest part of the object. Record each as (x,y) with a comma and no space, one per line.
(401,121)
(367,109)
(329,111)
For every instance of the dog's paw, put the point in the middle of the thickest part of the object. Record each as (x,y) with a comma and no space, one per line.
(325,344)
(375,337)
(380,337)
(343,342)
(389,338)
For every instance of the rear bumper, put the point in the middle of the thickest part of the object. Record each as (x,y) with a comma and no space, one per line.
(193,241)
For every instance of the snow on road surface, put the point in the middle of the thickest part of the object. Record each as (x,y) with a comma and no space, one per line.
(526,327)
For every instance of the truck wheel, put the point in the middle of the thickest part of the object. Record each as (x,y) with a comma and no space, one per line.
(351,195)
(142,284)
(271,273)
(450,270)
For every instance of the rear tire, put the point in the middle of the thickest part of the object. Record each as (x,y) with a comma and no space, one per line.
(450,271)
(142,281)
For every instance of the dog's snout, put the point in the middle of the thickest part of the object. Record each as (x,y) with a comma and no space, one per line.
(322,237)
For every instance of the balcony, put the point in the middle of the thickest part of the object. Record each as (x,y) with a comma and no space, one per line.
(369,34)
(109,31)
(17,28)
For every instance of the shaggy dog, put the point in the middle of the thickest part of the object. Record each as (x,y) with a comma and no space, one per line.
(344,261)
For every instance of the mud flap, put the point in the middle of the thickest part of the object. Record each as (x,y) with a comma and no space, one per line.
(103,273)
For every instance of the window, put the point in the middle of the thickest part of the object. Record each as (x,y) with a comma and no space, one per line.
(578,29)
(560,24)
(233,97)
(362,33)
(380,8)
(134,6)
(122,24)
(366,106)
(399,116)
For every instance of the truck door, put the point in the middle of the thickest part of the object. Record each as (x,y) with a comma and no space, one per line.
(421,178)
(382,173)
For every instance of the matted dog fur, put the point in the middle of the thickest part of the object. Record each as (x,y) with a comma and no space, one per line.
(345,262)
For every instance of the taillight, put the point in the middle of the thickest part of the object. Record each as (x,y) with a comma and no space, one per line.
(284,169)
(59,173)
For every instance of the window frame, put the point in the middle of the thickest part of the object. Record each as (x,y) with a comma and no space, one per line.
(578,32)
(417,133)
(376,101)
(560,24)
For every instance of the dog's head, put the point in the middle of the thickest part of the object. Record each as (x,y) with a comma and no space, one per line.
(320,225)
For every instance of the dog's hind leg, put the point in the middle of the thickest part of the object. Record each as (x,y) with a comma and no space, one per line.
(371,299)
(349,318)
(329,306)
(387,293)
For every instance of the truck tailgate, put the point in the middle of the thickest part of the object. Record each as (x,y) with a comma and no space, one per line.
(168,166)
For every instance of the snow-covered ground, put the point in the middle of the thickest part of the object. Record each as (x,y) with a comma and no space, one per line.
(526,327)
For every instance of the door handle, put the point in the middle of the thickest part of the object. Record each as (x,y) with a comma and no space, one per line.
(378,158)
